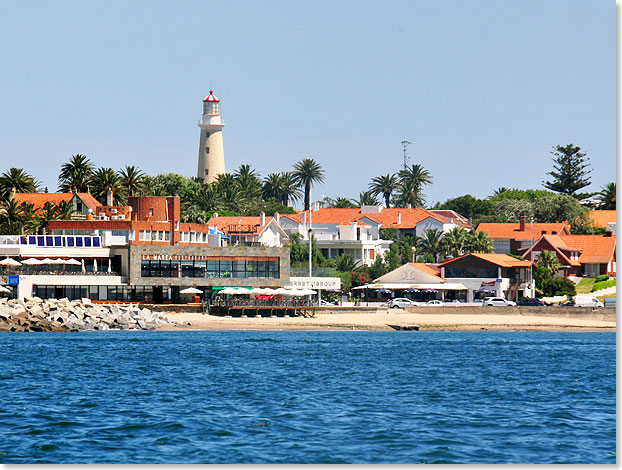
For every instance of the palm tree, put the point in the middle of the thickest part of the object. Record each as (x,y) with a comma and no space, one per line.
(345,263)
(431,242)
(249,181)
(366,198)
(549,262)
(76,173)
(201,204)
(306,173)
(290,190)
(273,186)
(607,200)
(344,203)
(65,209)
(410,187)
(131,180)
(385,185)
(16,219)
(16,180)
(478,242)
(455,241)
(47,213)
(105,179)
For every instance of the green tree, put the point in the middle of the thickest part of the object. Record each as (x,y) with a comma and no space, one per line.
(455,241)
(571,171)
(16,180)
(410,187)
(345,262)
(131,181)
(16,219)
(468,206)
(249,181)
(432,243)
(607,197)
(105,179)
(75,174)
(384,185)
(366,198)
(549,262)
(306,174)
(478,242)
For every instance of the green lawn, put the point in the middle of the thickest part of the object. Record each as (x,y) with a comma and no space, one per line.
(585,285)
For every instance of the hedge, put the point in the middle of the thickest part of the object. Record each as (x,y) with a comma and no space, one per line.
(603,285)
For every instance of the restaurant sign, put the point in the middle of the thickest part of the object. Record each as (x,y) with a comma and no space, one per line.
(332,283)
(176,258)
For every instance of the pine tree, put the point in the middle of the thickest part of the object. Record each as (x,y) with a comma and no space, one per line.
(571,172)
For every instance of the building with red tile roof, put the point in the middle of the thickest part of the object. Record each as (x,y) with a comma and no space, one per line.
(603,219)
(259,230)
(81,202)
(509,237)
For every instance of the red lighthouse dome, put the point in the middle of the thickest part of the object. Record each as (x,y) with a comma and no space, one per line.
(211,98)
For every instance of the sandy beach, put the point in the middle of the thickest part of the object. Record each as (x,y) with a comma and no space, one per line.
(547,320)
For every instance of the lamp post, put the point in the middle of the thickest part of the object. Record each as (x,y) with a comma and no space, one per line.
(310,247)
(532,289)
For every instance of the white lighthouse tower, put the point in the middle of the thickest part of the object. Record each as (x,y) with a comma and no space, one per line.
(211,150)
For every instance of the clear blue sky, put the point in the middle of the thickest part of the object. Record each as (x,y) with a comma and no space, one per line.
(483,89)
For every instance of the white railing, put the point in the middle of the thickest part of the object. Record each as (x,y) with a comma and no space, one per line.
(9,240)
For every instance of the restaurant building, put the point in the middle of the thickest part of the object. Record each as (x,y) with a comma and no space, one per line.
(145,253)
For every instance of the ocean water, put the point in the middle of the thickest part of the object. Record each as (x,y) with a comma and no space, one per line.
(307,397)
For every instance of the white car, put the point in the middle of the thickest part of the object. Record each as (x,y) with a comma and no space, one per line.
(434,303)
(400,303)
(587,301)
(498,302)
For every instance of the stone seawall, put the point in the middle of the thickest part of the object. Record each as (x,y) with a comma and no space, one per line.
(606,314)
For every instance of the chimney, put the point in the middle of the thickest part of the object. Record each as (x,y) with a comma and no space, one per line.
(277,216)
(522,224)
(303,219)
(399,218)
(109,197)
(262,218)
(215,214)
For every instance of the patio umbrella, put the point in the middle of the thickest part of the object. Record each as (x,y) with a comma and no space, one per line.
(10,262)
(32,261)
(430,290)
(83,267)
(385,291)
(307,292)
(47,261)
(4,289)
(412,289)
(191,290)
(229,291)
(109,265)
(72,261)
(94,265)
(282,291)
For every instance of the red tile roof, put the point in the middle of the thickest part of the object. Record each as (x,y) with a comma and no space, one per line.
(602,218)
(594,248)
(505,261)
(432,270)
(387,217)
(38,200)
(512,230)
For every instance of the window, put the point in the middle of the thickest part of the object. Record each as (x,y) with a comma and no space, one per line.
(207,134)
(144,235)
(206,172)
(151,212)
(206,149)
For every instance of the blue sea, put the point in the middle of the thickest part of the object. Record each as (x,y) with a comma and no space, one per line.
(308,397)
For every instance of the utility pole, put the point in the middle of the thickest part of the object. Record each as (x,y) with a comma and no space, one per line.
(310,245)
(405,145)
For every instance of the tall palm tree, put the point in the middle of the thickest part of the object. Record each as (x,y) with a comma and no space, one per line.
(307,173)
(16,219)
(16,180)
(478,242)
(385,185)
(131,180)
(105,179)
(411,182)
(249,181)
(65,209)
(455,241)
(607,199)
(47,213)
(273,186)
(366,198)
(76,173)
(431,242)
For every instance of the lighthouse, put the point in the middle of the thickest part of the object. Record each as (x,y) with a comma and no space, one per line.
(211,150)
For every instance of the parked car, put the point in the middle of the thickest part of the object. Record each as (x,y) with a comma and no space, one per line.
(400,303)
(587,302)
(535,302)
(498,302)
(568,303)
(434,303)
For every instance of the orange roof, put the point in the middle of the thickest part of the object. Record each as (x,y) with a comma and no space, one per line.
(428,269)
(38,200)
(594,248)
(512,230)
(224,224)
(602,218)
(505,261)
(560,247)
(387,217)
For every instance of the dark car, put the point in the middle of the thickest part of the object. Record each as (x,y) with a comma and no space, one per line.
(569,303)
(535,302)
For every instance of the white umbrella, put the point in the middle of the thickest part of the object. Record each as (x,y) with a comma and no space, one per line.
(83,267)
(10,262)
(309,292)
(75,262)
(281,291)
(58,261)
(4,289)
(48,261)
(228,291)
(94,265)
(109,265)
(191,290)
(32,261)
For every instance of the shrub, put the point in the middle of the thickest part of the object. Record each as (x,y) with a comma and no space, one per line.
(601,278)
(558,286)
(603,285)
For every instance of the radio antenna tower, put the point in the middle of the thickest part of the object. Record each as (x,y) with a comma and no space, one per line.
(405,145)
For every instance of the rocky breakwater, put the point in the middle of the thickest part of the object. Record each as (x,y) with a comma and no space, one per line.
(35,314)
